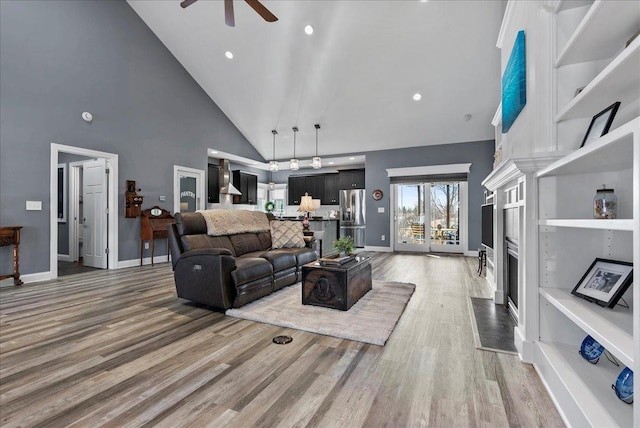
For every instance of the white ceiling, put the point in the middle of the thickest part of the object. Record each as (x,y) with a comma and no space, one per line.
(355,75)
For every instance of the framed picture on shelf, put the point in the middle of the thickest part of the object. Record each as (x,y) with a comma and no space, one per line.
(600,124)
(605,282)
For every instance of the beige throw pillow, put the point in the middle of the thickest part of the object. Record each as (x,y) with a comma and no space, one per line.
(286,234)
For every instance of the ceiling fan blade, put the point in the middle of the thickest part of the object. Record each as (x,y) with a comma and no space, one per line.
(262,11)
(228,13)
(185,3)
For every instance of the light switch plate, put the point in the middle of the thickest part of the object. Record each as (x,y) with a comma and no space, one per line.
(34,206)
(163,198)
(380,209)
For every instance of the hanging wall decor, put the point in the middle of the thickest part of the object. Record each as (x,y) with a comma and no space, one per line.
(514,84)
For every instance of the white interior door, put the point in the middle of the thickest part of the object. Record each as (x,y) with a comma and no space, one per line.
(94,224)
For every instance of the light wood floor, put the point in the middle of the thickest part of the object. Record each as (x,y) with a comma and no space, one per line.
(117,348)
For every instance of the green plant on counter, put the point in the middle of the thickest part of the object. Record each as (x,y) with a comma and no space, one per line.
(344,245)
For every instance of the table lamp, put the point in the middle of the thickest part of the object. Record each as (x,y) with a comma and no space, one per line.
(306,206)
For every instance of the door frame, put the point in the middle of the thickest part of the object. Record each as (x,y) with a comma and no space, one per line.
(200,176)
(419,248)
(74,208)
(463,219)
(435,170)
(112,203)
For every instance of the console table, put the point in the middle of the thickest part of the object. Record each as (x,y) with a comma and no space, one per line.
(154,222)
(10,235)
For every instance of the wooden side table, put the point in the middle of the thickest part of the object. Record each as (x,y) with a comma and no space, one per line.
(154,222)
(10,235)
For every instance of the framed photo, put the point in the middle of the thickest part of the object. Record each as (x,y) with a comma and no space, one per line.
(605,282)
(600,124)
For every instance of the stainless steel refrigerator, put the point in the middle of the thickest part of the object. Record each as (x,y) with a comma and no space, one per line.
(352,220)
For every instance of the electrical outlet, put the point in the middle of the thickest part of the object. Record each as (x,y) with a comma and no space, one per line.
(382,237)
(381,209)
(146,245)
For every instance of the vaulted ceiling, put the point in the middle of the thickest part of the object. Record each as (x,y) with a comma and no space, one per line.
(356,75)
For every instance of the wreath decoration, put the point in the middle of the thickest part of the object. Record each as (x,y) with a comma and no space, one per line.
(269,206)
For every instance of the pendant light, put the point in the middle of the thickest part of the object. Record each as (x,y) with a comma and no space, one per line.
(294,162)
(273,165)
(316,162)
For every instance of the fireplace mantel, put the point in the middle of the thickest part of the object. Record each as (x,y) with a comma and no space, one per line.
(513,168)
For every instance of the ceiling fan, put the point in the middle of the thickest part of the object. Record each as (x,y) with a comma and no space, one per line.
(228,10)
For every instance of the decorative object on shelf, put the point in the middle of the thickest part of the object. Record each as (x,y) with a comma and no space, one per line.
(600,124)
(306,206)
(604,203)
(624,385)
(269,206)
(514,84)
(605,282)
(377,195)
(344,245)
(294,165)
(497,157)
(591,350)
(316,161)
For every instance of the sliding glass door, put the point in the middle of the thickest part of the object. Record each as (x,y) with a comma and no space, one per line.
(427,217)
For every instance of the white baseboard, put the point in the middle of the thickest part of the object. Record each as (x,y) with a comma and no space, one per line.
(29,278)
(145,261)
(378,249)
(64,258)
(526,348)
(471,253)
(498,297)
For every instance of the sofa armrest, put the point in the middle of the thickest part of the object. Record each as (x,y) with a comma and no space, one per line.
(204,276)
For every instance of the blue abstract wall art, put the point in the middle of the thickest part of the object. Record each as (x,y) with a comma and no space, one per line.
(514,84)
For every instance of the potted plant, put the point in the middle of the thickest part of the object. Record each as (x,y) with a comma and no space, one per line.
(344,245)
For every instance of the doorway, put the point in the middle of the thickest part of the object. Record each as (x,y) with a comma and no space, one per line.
(106,228)
(429,216)
(188,189)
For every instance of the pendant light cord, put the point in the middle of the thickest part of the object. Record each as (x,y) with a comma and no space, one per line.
(317,125)
(295,130)
(274,132)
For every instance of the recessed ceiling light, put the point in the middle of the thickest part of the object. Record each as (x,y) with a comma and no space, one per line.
(228,54)
(213,152)
(417,97)
(308,29)
(330,163)
(352,158)
(467,117)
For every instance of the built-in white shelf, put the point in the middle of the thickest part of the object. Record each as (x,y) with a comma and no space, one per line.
(602,32)
(590,223)
(611,152)
(612,327)
(611,85)
(587,385)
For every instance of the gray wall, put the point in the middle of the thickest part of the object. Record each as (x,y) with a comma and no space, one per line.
(60,58)
(480,154)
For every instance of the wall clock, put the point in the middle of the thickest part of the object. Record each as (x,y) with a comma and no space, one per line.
(377,195)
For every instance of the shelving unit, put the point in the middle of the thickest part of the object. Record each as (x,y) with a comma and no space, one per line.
(594,56)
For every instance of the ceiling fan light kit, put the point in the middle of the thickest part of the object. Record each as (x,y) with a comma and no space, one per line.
(229,17)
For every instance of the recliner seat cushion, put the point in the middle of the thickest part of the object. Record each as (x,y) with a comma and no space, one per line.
(250,269)
(303,255)
(280,259)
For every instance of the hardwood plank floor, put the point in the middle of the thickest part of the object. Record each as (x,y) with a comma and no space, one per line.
(118,348)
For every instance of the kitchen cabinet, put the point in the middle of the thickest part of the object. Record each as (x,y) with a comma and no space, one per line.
(297,187)
(247,184)
(331,194)
(213,184)
(352,179)
(314,186)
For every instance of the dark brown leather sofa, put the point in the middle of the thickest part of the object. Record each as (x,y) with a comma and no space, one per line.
(230,270)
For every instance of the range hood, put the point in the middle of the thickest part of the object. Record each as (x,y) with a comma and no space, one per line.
(226,187)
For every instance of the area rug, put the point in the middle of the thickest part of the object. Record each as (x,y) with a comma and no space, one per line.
(371,320)
(492,326)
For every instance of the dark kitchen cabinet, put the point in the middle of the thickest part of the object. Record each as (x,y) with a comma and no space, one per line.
(297,187)
(331,193)
(247,184)
(352,179)
(314,186)
(213,184)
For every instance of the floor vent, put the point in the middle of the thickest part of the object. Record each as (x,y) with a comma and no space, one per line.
(282,340)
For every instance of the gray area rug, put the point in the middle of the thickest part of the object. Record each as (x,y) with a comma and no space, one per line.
(371,320)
